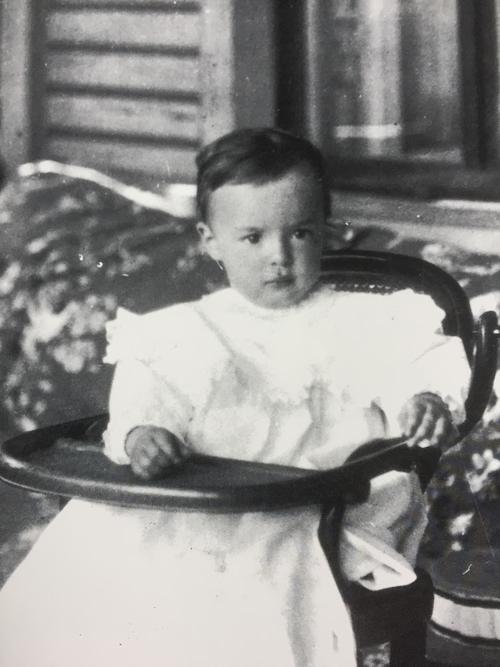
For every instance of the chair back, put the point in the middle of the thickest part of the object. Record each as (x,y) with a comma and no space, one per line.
(384,273)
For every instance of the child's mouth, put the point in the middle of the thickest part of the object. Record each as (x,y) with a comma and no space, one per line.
(280,281)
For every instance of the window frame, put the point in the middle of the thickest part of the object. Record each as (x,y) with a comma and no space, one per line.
(302,66)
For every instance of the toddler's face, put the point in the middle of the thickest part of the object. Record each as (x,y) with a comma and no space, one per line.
(268,237)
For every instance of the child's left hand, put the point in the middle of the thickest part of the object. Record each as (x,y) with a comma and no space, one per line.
(426,420)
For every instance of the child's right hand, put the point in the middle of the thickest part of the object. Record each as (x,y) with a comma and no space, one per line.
(153,450)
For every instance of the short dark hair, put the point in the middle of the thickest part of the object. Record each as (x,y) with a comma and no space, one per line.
(256,155)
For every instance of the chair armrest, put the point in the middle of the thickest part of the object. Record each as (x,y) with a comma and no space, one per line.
(483,370)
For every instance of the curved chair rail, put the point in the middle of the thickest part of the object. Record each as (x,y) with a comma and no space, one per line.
(484,368)
(384,272)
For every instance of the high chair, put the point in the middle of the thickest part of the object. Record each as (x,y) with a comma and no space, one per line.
(67,459)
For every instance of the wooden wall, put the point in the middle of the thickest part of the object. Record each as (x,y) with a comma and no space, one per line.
(136,85)
(127,79)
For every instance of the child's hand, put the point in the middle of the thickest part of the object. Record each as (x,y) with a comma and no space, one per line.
(153,450)
(426,420)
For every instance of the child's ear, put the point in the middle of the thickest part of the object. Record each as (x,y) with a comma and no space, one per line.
(209,241)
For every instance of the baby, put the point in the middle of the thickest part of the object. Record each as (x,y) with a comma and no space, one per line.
(263,203)
(274,368)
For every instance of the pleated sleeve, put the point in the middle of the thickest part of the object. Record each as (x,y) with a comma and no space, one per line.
(154,376)
(421,359)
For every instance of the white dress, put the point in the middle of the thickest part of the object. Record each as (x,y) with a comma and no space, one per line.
(301,386)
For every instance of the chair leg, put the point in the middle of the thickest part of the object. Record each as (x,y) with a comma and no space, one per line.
(409,650)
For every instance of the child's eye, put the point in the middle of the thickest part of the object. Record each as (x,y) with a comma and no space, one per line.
(252,238)
(301,234)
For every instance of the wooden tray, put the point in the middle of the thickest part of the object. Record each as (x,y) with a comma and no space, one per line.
(68,460)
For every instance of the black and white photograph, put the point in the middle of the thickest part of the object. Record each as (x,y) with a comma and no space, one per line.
(249,304)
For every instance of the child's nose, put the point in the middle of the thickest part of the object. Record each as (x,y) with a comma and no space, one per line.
(281,253)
